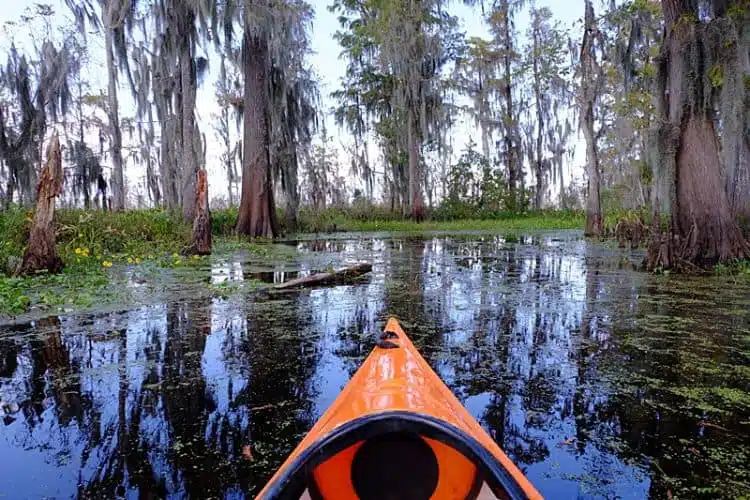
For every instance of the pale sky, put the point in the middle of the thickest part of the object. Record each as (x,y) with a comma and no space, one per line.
(326,62)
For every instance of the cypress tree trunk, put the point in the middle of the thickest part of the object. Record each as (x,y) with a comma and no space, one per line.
(41,254)
(734,99)
(86,181)
(189,154)
(162,100)
(590,78)
(257,213)
(538,167)
(702,231)
(416,202)
(292,188)
(510,134)
(594,221)
(153,184)
(117,182)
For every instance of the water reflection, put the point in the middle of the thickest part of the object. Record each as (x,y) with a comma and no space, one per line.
(597,380)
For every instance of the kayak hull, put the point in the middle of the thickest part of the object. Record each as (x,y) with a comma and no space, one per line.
(396,408)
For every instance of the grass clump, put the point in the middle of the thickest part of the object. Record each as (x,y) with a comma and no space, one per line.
(87,236)
(378,219)
(737,268)
(75,286)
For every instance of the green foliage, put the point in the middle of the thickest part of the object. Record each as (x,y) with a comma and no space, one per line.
(738,10)
(652,7)
(737,269)
(14,226)
(477,190)
(687,18)
(224,221)
(611,218)
(716,76)
(126,232)
(382,219)
(340,219)
(76,286)
(13,298)
(645,172)
(88,239)
(612,198)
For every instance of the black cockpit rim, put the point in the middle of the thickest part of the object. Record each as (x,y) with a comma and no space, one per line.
(295,478)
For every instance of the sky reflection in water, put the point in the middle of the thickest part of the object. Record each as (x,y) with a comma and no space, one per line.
(598,380)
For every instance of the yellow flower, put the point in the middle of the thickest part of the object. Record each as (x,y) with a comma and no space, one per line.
(107,263)
(137,260)
(130,260)
(78,251)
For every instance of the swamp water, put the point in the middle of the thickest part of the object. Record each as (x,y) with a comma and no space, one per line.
(599,381)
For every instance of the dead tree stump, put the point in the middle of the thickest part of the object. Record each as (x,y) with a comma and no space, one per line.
(202,222)
(41,253)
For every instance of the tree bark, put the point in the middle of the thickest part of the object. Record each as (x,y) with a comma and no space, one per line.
(509,125)
(117,182)
(538,166)
(168,167)
(162,100)
(591,74)
(41,254)
(257,213)
(416,202)
(702,231)
(188,129)
(292,189)
(86,181)
(229,160)
(734,104)
(153,184)
(594,221)
(484,111)
(202,221)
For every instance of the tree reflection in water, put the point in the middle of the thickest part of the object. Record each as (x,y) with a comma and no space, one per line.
(597,380)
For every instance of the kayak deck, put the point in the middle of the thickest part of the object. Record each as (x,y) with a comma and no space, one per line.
(397,432)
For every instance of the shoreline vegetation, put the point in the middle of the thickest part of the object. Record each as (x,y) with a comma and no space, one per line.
(97,247)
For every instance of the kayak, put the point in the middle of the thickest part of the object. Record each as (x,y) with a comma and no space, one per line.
(397,432)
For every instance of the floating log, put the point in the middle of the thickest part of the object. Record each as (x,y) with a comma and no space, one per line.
(202,223)
(41,254)
(333,277)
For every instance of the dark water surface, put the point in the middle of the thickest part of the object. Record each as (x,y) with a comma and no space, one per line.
(598,380)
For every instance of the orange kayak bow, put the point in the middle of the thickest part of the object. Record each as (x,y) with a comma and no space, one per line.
(397,432)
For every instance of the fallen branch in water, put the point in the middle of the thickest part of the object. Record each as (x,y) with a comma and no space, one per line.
(704,423)
(334,277)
